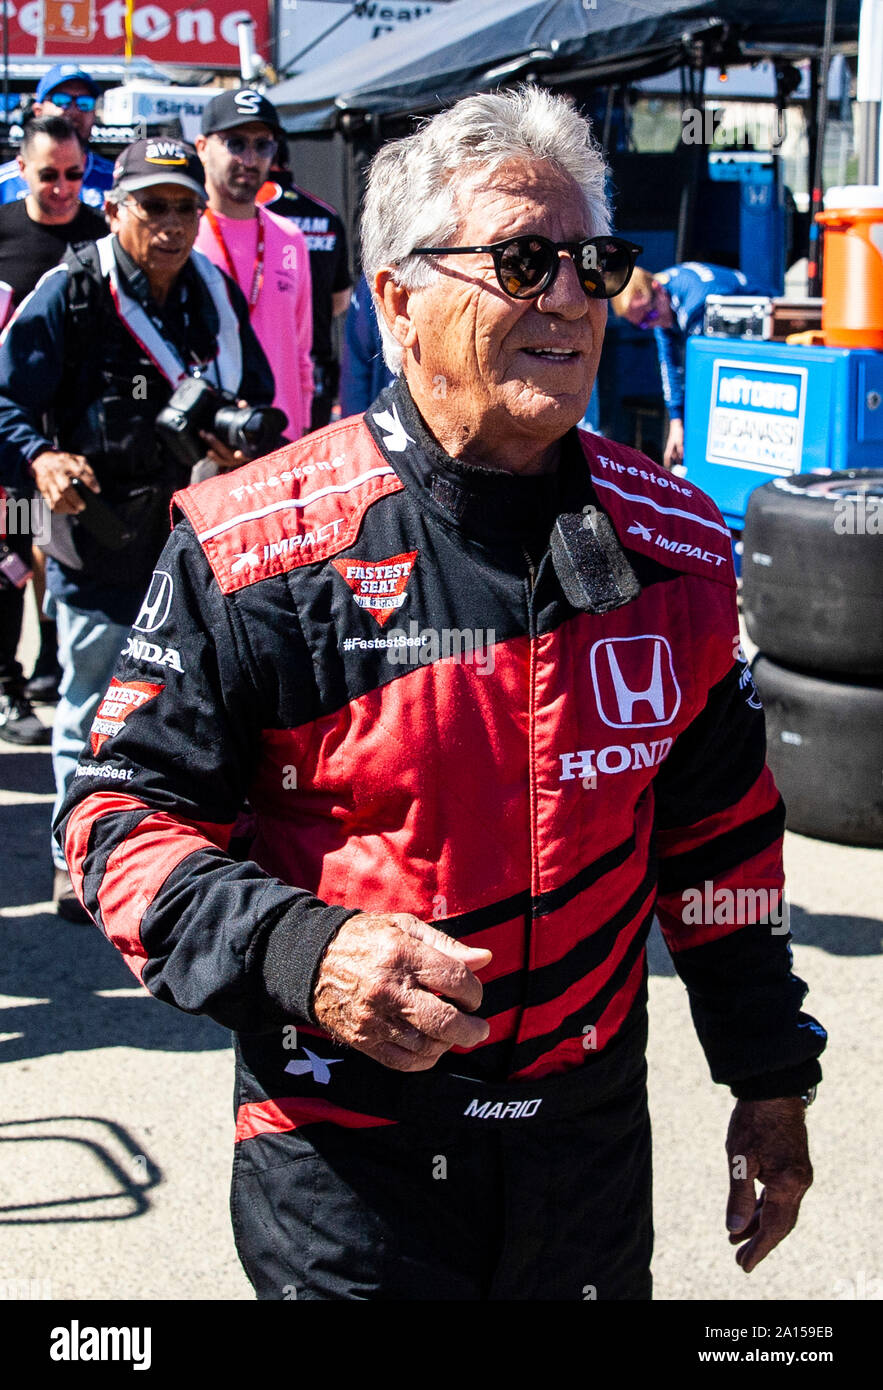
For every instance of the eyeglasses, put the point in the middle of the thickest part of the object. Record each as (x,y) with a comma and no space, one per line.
(527,265)
(64,99)
(155,208)
(263,146)
(56,175)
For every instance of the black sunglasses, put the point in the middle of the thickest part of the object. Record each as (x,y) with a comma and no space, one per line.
(155,208)
(56,175)
(263,145)
(527,265)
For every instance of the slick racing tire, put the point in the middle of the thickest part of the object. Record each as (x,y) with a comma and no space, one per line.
(812,571)
(825,747)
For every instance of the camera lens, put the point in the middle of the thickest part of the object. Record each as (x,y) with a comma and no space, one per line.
(253,429)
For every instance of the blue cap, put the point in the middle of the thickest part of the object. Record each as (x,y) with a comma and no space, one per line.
(61,73)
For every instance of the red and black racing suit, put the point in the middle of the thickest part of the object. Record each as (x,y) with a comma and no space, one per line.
(370,644)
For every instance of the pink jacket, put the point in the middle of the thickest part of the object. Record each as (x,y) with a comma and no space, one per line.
(282,317)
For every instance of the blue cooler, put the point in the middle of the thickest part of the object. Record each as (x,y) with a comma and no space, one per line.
(757,410)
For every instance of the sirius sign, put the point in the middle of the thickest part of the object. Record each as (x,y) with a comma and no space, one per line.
(756,417)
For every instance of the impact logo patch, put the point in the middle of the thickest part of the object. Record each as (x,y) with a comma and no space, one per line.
(121,700)
(378,585)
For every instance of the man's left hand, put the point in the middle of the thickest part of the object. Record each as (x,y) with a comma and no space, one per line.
(766,1141)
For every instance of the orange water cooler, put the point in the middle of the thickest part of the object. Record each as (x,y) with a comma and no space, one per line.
(852,276)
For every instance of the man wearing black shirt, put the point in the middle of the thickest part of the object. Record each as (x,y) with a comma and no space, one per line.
(35,232)
(329,272)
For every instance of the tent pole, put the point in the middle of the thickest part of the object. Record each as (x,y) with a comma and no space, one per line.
(608,120)
(5,68)
(818,176)
(869,91)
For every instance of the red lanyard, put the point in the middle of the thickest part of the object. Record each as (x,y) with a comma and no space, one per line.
(257,278)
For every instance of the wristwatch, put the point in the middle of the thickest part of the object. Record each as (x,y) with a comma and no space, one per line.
(809,1096)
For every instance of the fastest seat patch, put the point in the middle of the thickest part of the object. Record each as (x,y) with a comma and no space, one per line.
(378,585)
(121,700)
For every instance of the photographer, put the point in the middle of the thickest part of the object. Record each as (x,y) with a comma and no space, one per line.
(87,368)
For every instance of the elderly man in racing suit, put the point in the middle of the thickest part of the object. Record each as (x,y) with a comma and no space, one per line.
(478,676)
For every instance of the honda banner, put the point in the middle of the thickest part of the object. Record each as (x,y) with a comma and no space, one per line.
(202,34)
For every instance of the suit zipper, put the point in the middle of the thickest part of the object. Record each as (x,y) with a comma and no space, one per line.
(532,578)
(532,791)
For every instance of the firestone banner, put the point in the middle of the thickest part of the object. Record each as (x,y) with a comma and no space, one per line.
(202,34)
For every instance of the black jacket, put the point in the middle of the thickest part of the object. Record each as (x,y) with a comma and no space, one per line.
(375,648)
(74,377)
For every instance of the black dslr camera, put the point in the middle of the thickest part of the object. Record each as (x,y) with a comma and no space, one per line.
(195,406)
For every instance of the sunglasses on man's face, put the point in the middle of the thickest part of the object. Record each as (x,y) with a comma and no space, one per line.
(263,146)
(153,209)
(56,175)
(63,100)
(527,265)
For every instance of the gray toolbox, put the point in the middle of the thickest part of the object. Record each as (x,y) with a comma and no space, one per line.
(759,316)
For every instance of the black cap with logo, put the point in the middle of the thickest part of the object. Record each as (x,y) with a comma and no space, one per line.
(164,160)
(231,109)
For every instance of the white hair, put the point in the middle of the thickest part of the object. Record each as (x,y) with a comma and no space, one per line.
(411,198)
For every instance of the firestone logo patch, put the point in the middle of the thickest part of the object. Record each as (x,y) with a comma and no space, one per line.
(378,585)
(121,700)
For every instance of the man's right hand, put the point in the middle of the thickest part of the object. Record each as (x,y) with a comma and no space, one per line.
(53,471)
(378,986)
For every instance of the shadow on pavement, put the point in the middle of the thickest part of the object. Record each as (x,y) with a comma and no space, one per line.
(839,935)
(119,1181)
(26,770)
(45,958)
(26,875)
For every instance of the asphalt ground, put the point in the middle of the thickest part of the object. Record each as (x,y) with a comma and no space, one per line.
(117,1116)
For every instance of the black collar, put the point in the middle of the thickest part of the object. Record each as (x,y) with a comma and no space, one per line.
(486,503)
(134,279)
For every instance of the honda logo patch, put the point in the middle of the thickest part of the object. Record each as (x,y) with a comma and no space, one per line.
(635,682)
(155,608)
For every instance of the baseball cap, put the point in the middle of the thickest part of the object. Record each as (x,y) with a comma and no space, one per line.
(147,162)
(230,109)
(61,73)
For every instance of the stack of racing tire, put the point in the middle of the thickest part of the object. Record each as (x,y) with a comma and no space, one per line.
(812,600)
